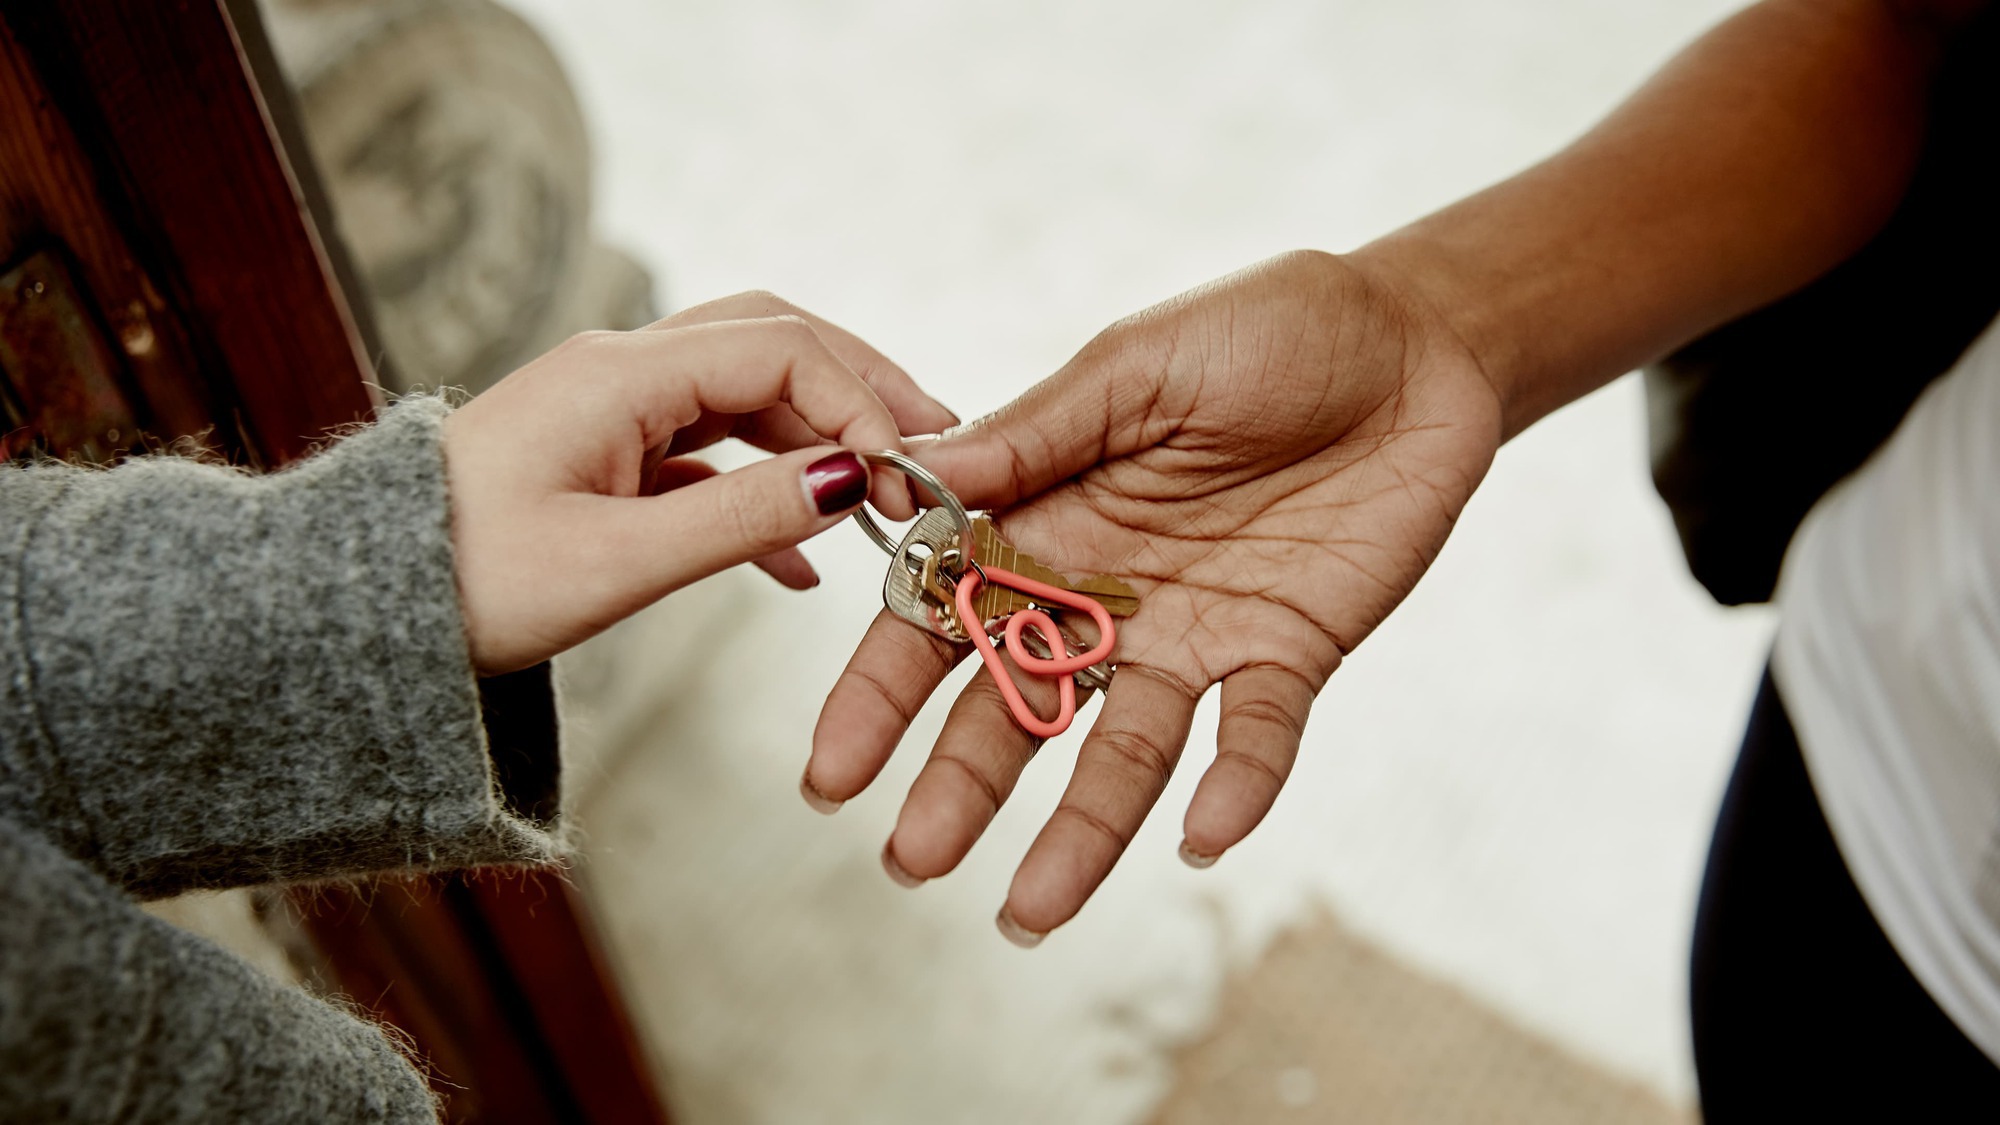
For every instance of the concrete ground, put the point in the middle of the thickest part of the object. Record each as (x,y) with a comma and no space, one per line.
(1507,789)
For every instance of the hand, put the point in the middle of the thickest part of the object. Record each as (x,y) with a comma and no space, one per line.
(573,507)
(1272,461)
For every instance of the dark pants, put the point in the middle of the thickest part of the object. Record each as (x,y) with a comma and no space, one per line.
(1803,1011)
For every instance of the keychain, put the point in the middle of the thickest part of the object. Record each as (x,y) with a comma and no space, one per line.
(953,575)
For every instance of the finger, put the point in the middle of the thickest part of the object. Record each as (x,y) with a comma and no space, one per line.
(678,537)
(743,366)
(778,430)
(893,671)
(1120,772)
(1111,399)
(1264,711)
(711,428)
(978,758)
(915,411)
(739,367)
(791,568)
(678,472)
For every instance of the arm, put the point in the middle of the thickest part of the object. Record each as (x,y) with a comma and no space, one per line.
(217,678)
(1275,458)
(107,1014)
(1766,153)
(210,678)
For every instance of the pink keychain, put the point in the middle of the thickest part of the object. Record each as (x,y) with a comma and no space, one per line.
(1062,668)
(938,552)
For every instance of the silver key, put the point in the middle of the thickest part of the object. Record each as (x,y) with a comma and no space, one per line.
(912,592)
(904,591)
(995,602)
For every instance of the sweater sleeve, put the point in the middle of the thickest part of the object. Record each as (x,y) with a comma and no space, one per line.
(210,678)
(107,1014)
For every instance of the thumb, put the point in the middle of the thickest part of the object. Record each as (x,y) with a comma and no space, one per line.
(1092,410)
(736,517)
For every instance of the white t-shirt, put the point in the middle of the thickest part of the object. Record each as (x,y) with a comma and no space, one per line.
(1888,660)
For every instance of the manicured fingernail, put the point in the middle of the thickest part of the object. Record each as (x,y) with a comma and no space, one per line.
(901,877)
(837,482)
(1015,932)
(818,801)
(1195,859)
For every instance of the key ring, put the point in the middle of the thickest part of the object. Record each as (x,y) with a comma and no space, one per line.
(1019,626)
(914,469)
(1062,668)
(1095,678)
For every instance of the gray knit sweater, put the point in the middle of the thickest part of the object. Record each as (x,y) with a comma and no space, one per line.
(212,679)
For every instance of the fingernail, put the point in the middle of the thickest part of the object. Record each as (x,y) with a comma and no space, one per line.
(901,877)
(837,482)
(1195,859)
(1015,932)
(818,801)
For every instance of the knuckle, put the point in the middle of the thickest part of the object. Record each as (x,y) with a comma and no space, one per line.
(982,787)
(1172,681)
(1094,824)
(1141,751)
(1307,260)
(1264,713)
(1253,763)
(798,334)
(763,299)
(754,522)
(904,710)
(591,340)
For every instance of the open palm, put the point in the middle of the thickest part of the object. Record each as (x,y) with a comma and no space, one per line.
(1272,462)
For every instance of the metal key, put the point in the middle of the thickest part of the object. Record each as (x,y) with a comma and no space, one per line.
(994,602)
(946,547)
(907,590)
(920,584)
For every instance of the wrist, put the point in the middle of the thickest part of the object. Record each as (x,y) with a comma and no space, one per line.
(1415,277)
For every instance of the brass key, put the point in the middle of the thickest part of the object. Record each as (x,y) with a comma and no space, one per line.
(928,575)
(995,601)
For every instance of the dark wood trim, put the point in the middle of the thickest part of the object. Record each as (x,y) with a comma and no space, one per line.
(499,977)
(181,150)
(281,105)
(152,176)
(53,196)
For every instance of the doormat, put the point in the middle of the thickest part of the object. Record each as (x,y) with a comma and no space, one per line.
(1328,1027)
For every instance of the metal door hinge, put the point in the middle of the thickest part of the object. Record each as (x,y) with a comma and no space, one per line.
(61,380)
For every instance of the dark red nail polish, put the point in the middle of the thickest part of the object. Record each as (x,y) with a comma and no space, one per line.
(837,482)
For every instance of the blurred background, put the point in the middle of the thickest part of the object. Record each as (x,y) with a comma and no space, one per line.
(1472,902)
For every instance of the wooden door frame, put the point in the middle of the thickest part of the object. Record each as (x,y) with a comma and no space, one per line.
(151,155)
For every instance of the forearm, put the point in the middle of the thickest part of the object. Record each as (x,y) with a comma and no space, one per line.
(1764,154)
(109,1015)
(210,679)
